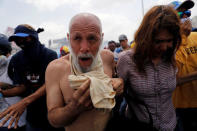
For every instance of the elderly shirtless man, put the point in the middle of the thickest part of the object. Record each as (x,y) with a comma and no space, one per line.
(75,106)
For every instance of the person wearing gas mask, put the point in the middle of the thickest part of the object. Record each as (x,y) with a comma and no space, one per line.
(184,96)
(27,70)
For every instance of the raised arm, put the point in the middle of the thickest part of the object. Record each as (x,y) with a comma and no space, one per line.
(108,62)
(109,69)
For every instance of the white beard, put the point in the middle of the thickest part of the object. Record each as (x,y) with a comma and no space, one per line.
(75,61)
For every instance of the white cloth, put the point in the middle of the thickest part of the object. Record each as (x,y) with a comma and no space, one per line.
(101,90)
(11,100)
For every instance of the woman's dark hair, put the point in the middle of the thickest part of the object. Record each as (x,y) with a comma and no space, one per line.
(156,19)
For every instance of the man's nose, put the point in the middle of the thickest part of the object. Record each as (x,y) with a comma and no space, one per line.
(85,46)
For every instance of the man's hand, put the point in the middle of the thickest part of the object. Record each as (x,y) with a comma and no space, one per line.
(118,85)
(186,27)
(81,100)
(13,112)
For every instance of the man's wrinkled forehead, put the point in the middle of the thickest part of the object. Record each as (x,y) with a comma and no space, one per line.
(81,28)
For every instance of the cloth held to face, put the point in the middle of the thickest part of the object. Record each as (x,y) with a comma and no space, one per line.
(101,90)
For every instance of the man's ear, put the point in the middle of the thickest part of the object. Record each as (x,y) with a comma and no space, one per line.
(102,36)
(68,36)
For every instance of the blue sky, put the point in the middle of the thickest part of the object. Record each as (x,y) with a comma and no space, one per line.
(117,16)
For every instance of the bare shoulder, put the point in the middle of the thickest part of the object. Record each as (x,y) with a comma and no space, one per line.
(58,66)
(107,55)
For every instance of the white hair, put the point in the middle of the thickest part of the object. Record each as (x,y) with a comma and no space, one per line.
(85,15)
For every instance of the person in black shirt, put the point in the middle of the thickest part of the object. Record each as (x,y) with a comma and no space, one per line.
(27,70)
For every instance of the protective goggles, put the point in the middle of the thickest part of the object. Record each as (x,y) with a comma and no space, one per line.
(187,12)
